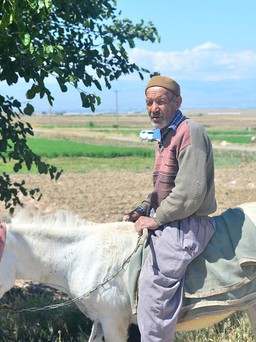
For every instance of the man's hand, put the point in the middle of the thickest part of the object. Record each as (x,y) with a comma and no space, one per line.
(145,222)
(132,216)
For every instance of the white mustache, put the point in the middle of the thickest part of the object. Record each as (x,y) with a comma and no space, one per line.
(155,115)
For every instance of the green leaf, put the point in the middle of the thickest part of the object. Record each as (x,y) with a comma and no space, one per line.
(31,93)
(58,174)
(31,48)
(12,77)
(28,161)
(26,39)
(49,49)
(42,167)
(17,167)
(85,100)
(98,99)
(62,85)
(98,85)
(29,109)
(105,50)
(3,145)
(16,104)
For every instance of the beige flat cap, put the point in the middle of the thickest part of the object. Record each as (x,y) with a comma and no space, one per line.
(165,82)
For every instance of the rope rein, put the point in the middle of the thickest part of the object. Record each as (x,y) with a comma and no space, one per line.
(140,242)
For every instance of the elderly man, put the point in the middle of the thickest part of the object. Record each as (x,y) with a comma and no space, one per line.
(176,212)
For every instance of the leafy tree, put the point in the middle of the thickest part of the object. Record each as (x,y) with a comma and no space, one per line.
(74,41)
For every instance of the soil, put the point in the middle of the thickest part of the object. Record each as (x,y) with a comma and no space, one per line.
(102,196)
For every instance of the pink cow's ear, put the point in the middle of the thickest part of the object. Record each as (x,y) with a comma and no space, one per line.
(2,238)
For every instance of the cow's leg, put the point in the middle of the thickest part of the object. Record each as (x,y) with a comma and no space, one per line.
(96,333)
(251,312)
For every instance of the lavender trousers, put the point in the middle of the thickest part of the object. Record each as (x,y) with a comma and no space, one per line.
(172,247)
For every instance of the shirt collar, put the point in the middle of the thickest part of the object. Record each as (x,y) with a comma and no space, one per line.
(174,124)
(176,121)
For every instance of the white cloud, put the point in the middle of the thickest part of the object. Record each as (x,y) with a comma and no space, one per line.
(205,62)
(207,46)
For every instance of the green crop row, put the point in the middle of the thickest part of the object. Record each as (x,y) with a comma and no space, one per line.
(60,148)
(235,139)
(82,157)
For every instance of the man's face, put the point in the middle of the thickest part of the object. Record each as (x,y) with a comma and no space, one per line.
(162,106)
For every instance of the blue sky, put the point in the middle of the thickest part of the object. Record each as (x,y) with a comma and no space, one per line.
(208,46)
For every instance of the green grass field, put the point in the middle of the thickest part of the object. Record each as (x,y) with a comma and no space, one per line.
(73,156)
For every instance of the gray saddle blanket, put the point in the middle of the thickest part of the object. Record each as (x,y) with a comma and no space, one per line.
(224,275)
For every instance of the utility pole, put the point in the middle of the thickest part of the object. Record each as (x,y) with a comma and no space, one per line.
(117,124)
